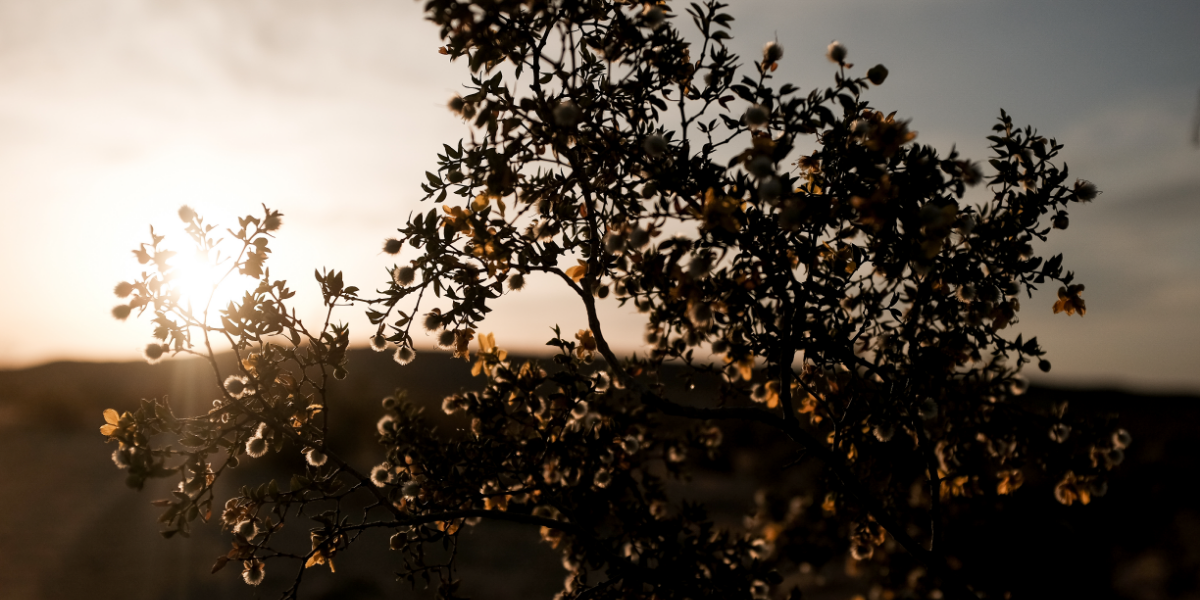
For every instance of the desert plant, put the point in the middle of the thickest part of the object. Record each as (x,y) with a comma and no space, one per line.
(847,297)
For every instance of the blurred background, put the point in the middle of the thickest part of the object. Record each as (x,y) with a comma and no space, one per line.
(113,113)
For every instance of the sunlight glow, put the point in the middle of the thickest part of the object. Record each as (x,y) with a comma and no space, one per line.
(204,284)
(217,183)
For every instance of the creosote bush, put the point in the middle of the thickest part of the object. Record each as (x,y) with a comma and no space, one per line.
(849,299)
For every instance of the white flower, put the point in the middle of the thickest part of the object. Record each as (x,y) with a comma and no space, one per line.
(381,475)
(603,478)
(653,16)
(836,52)
(403,276)
(1019,385)
(246,529)
(928,409)
(566,114)
(411,490)
(1121,439)
(153,352)
(256,447)
(655,145)
(236,385)
(757,116)
(315,457)
(404,355)
(772,52)
(253,571)
(884,431)
(386,424)
(1059,432)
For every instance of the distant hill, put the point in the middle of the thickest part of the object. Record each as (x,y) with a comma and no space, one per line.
(69,527)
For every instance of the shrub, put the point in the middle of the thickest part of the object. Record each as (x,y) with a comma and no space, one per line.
(848,298)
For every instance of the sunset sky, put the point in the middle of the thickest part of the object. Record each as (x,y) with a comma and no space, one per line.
(113,113)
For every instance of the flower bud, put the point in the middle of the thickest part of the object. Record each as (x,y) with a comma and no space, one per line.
(836,52)
(186,214)
(655,145)
(403,276)
(772,52)
(1085,191)
(653,16)
(877,74)
(760,166)
(154,352)
(566,114)
(757,116)
(770,188)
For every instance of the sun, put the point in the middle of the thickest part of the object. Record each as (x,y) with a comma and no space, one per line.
(206,282)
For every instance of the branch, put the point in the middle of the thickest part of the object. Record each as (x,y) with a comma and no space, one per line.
(498,515)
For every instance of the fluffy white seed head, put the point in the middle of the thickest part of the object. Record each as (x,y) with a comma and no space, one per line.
(836,52)
(404,355)
(256,447)
(315,457)
(403,276)
(772,52)
(254,571)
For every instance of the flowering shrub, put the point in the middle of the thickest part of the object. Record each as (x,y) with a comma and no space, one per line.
(849,299)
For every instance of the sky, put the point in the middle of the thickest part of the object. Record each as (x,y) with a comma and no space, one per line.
(113,113)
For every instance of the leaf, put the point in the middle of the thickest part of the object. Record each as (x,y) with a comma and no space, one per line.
(220,564)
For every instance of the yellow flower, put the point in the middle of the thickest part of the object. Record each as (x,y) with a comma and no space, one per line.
(578,272)
(112,421)
(745,365)
(587,344)
(1010,480)
(489,355)
(1069,300)
(721,211)
(1072,489)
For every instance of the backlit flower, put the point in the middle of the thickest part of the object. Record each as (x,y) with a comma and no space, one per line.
(256,447)
(154,352)
(1069,300)
(404,355)
(403,276)
(315,457)
(237,385)
(253,571)
(381,475)
(772,52)
(836,52)
(655,145)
